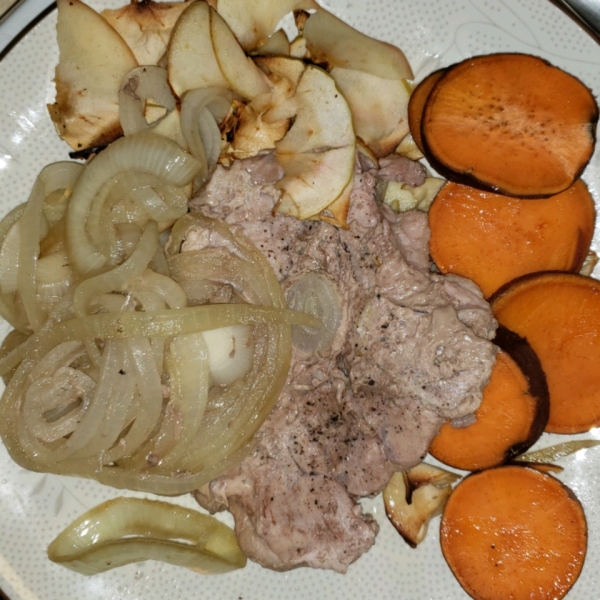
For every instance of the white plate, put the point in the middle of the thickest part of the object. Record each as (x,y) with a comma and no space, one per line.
(35,507)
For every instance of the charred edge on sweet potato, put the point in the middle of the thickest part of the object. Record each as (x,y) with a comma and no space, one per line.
(468,153)
(512,417)
(416,104)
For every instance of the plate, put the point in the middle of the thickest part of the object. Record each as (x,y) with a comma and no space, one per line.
(35,507)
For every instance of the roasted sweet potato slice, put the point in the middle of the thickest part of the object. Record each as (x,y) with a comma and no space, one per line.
(512,415)
(513,532)
(559,314)
(416,104)
(492,238)
(510,123)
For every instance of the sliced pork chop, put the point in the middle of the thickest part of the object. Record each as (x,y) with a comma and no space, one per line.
(411,351)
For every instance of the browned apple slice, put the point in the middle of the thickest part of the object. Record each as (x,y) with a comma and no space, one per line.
(407,147)
(402,197)
(318,152)
(191,61)
(334,43)
(412,498)
(275,45)
(337,212)
(253,21)
(298,48)
(203,52)
(93,60)
(258,128)
(379,107)
(146,26)
(243,76)
(282,68)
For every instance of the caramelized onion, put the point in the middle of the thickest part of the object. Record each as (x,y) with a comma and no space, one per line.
(150,381)
(314,294)
(127,530)
(201,112)
(142,152)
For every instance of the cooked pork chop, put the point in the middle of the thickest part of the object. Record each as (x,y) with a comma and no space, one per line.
(412,350)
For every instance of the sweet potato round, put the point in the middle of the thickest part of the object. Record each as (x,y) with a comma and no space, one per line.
(513,532)
(510,123)
(512,415)
(559,314)
(492,238)
(416,104)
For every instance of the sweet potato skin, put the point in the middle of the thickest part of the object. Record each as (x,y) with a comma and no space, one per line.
(510,123)
(416,104)
(559,314)
(514,532)
(492,238)
(513,414)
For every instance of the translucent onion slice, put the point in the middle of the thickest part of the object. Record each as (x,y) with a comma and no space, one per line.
(188,370)
(201,112)
(141,86)
(33,227)
(143,152)
(556,452)
(120,277)
(9,260)
(164,323)
(314,294)
(8,265)
(128,530)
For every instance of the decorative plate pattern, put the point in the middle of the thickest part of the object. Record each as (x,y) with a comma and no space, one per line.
(35,507)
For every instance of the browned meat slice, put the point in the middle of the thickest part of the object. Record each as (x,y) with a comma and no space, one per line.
(411,351)
(289,508)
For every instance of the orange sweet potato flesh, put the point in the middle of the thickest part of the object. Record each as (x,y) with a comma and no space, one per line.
(513,532)
(492,238)
(511,417)
(510,123)
(559,315)
(416,104)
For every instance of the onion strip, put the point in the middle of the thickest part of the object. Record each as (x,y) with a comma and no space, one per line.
(142,152)
(128,530)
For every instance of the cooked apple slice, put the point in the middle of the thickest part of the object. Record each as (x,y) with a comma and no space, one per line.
(318,152)
(408,148)
(191,61)
(258,128)
(332,42)
(146,26)
(243,75)
(253,21)
(402,197)
(412,498)
(276,45)
(323,118)
(253,135)
(279,68)
(298,48)
(337,212)
(379,107)
(203,52)
(93,60)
